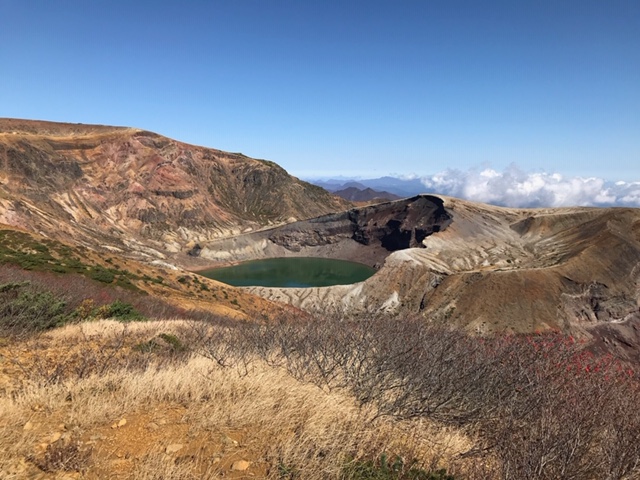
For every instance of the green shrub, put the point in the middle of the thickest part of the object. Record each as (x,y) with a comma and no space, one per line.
(11,287)
(285,472)
(120,311)
(26,309)
(39,247)
(173,341)
(147,347)
(101,275)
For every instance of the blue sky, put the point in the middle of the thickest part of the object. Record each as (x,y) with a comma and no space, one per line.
(365,88)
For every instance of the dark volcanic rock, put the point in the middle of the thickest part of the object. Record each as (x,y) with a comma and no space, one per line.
(392,226)
(366,234)
(399,225)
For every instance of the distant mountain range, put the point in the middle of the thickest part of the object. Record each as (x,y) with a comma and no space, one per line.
(360,193)
(511,187)
(383,186)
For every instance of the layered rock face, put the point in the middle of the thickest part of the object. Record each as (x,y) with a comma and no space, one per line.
(137,191)
(367,234)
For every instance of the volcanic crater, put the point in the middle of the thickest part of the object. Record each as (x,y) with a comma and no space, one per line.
(139,195)
(366,235)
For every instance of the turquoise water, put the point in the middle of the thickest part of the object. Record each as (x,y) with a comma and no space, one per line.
(299,272)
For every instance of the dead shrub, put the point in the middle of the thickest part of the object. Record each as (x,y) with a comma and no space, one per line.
(65,455)
(540,405)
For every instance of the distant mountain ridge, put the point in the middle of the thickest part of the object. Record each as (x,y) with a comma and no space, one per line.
(355,194)
(511,187)
(399,187)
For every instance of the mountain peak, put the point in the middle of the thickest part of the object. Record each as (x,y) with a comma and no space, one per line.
(120,186)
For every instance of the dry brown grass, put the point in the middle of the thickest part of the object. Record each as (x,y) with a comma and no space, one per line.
(285,428)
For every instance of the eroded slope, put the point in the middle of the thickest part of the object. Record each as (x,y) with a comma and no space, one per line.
(137,192)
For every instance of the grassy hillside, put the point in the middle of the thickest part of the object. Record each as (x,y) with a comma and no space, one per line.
(84,282)
(319,399)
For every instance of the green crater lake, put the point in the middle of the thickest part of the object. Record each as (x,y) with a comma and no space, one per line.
(299,272)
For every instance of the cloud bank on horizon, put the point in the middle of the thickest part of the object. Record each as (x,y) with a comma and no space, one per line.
(516,188)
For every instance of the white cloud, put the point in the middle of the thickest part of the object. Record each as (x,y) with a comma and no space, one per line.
(516,188)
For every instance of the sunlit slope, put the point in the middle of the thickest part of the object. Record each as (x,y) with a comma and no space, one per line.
(139,192)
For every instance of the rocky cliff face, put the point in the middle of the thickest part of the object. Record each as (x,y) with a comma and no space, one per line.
(366,234)
(137,191)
